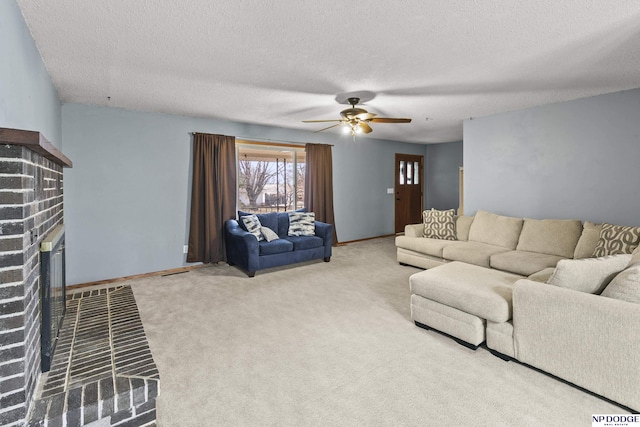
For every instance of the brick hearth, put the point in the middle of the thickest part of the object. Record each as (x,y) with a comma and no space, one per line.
(102,368)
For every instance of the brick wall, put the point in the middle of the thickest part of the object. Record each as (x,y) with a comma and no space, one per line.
(30,207)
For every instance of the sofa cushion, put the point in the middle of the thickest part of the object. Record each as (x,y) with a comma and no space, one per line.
(268,234)
(625,286)
(550,236)
(472,252)
(266,219)
(497,230)
(275,247)
(305,242)
(588,240)
(301,224)
(589,275)
(424,245)
(463,224)
(617,239)
(252,225)
(523,262)
(439,224)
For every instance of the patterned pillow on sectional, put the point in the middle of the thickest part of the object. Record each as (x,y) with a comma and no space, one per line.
(253,225)
(617,239)
(302,224)
(439,224)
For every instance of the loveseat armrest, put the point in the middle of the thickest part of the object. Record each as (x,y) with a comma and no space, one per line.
(589,340)
(242,247)
(414,230)
(325,231)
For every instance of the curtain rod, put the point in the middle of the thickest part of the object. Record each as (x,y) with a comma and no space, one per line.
(251,138)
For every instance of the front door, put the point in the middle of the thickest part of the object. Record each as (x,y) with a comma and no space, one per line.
(409,189)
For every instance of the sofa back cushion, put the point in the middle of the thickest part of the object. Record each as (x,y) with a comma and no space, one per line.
(550,236)
(463,224)
(625,285)
(269,220)
(589,275)
(588,240)
(497,230)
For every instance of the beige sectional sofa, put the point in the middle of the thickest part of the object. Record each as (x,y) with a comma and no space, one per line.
(490,285)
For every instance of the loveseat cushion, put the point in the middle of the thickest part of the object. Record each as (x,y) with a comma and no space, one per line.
(550,236)
(497,230)
(523,262)
(424,245)
(472,253)
(305,242)
(275,247)
(269,220)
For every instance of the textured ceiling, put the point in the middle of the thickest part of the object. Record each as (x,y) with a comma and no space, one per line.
(280,62)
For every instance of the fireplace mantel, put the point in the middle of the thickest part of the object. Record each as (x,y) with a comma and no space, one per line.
(36,142)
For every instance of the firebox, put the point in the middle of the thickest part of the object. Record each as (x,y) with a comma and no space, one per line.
(52,291)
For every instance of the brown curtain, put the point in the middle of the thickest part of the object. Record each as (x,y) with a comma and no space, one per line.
(318,184)
(213,195)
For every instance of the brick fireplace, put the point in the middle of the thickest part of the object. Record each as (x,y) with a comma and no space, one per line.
(31,206)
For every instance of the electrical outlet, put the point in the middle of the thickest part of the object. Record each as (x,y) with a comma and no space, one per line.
(389,190)
(185,249)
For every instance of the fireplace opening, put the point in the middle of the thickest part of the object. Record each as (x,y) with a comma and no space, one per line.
(52,291)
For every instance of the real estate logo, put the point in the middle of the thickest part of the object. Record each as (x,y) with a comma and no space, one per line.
(615,420)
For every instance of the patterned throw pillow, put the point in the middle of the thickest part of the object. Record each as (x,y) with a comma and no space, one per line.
(302,224)
(617,239)
(439,224)
(253,225)
(269,234)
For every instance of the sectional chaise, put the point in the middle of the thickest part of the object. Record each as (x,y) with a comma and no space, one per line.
(559,295)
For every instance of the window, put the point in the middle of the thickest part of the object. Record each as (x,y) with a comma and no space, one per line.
(270,177)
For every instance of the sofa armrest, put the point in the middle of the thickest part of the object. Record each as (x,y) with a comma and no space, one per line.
(242,247)
(589,340)
(414,230)
(325,231)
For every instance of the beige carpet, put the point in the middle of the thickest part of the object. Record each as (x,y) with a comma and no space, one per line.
(330,344)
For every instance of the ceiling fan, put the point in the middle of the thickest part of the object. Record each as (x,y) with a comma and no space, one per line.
(357,119)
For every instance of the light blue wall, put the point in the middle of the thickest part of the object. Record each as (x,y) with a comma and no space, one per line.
(442,165)
(127,197)
(576,159)
(28,99)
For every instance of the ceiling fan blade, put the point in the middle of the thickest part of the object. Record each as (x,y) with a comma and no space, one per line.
(320,121)
(366,116)
(332,126)
(389,120)
(365,128)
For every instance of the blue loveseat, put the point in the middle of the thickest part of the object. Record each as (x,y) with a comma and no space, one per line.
(245,251)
